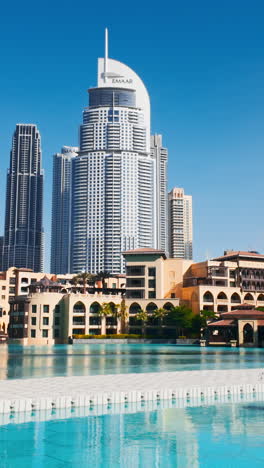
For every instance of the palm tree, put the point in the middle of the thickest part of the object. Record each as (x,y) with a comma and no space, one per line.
(75,281)
(102,276)
(106,309)
(143,317)
(160,314)
(123,314)
(86,278)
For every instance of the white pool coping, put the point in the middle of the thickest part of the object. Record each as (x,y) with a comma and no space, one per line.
(88,391)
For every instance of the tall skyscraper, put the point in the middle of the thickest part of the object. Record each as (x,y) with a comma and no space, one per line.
(114,176)
(23,239)
(61,210)
(160,156)
(180,224)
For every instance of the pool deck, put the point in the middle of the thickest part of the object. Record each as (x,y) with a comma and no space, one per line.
(70,392)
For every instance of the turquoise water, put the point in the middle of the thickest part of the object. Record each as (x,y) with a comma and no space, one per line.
(223,435)
(65,360)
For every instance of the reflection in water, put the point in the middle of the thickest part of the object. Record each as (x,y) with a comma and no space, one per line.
(65,360)
(229,435)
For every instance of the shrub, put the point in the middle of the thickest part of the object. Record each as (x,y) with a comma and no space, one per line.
(103,337)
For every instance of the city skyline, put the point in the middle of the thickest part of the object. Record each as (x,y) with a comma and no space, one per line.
(216,105)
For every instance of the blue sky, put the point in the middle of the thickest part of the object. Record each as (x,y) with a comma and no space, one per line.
(203,65)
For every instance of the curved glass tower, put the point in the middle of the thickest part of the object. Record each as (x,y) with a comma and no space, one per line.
(113,175)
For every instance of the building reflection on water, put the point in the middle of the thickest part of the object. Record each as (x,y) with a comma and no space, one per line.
(65,360)
(141,435)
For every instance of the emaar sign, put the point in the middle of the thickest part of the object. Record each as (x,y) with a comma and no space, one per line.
(122,80)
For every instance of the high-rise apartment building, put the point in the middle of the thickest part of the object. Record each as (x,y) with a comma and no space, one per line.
(160,156)
(23,239)
(114,175)
(61,210)
(180,224)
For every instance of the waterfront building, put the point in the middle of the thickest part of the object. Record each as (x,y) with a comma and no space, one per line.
(225,282)
(23,237)
(114,176)
(151,283)
(56,308)
(61,210)
(243,326)
(160,156)
(180,224)
(16,282)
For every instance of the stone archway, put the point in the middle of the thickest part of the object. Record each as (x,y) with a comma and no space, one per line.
(248,334)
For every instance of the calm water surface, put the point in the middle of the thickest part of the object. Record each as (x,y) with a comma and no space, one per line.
(66,360)
(221,436)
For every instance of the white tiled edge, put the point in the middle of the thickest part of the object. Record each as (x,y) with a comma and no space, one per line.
(89,391)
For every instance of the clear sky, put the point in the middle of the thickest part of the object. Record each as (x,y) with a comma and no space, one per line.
(203,65)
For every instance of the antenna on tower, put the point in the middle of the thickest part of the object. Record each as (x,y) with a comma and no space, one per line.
(106,53)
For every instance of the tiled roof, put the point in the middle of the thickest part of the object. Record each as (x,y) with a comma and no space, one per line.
(46,283)
(239,253)
(222,323)
(246,313)
(144,250)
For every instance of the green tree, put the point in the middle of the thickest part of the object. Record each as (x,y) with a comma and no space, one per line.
(142,316)
(75,282)
(181,318)
(102,276)
(105,309)
(160,315)
(85,278)
(123,315)
(199,321)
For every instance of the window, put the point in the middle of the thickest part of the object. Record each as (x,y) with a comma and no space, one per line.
(152,283)
(34,309)
(46,309)
(135,282)
(3,288)
(33,333)
(152,271)
(135,270)
(12,290)
(24,289)
(57,309)
(45,320)
(12,280)
(152,294)
(3,297)
(56,333)
(45,333)
(33,280)
(33,320)
(57,320)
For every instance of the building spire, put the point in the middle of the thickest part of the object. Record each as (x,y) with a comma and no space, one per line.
(106,53)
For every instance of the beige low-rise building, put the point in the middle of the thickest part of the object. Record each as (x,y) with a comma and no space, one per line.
(16,282)
(222,284)
(48,315)
(51,313)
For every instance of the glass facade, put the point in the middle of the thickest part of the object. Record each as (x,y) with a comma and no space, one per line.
(111,97)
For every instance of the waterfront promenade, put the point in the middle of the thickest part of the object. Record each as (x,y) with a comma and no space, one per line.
(88,391)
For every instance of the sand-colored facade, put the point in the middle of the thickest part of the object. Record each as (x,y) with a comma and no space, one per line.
(222,284)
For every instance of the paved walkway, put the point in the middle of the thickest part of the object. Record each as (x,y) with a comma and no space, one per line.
(63,392)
